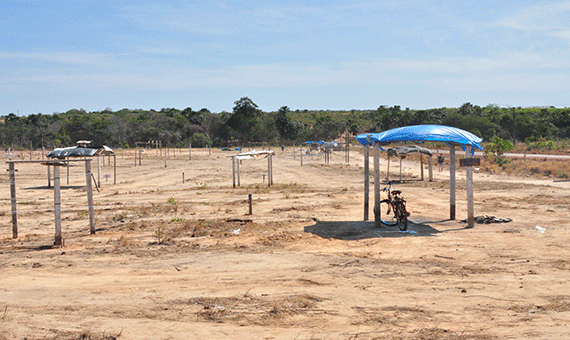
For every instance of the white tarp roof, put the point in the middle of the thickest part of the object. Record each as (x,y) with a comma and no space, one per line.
(253,154)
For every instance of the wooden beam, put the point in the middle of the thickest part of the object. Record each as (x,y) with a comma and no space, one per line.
(57,206)
(469,179)
(377,217)
(234,170)
(366,181)
(13,199)
(90,206)
(452,182)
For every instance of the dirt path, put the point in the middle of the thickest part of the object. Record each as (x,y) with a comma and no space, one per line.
(165,262)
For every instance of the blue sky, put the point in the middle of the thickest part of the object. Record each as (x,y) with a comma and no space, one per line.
(336,54)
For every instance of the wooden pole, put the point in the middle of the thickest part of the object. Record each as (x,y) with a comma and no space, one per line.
(430,169)
(452,182)
(271,161)
(67,171)
(57,205)
(366,181)
(377,217)
(88,176)
(238,173)
(140,157)
(13,199)
(190,150)
(422,166)
(469,179)
(136,157)
(165,156)
(234,170)
(250,204)
(400,169)
(268,170)
(388,170)
(98,172)
(114,169)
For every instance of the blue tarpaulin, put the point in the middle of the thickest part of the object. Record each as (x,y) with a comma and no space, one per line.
(422,133)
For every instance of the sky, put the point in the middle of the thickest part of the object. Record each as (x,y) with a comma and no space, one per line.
(58,55)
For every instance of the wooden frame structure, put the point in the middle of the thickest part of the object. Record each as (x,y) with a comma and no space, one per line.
(252,155)
(435,133)
(56,163)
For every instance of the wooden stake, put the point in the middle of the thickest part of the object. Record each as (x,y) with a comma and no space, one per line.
(469,179)
(234,170)
(114,169)
(250,204)
(422,166)
(57,205)
(88,176)
(377,217)
(238,173)
(13,199)
(430,169)
(452,182)
(366,181)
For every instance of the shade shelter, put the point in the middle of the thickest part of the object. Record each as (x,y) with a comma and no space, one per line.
(402,151)
(252,155)
(420,133)
(84,152)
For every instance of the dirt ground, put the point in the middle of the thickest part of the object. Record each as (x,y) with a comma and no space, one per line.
(174,259)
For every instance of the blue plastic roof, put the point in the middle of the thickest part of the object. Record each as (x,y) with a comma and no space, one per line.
(315,142)
(422,133)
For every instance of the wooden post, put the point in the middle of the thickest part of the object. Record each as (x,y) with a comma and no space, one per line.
(190,150)
(452,182)
(43,150)
(366,181)
(114,169)
(400,169)
(430,169)
(140,157)
(377,217)
(269,170)
(234,170)
(422,166)
(13,199)
(49,176)
(271,160)
(98,172)
(388,170)
(469,180)
(301,154)
(67,170)
(238,173)
(88,176)
(209,150)
(182,177)
(136,157)
(57,205)
(250,204)
(165,156)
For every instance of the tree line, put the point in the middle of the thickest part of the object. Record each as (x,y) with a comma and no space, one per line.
(249,124)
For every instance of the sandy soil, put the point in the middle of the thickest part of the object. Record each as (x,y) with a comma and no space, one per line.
(184,260)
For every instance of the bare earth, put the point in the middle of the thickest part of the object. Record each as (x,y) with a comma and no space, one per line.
(184,260)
